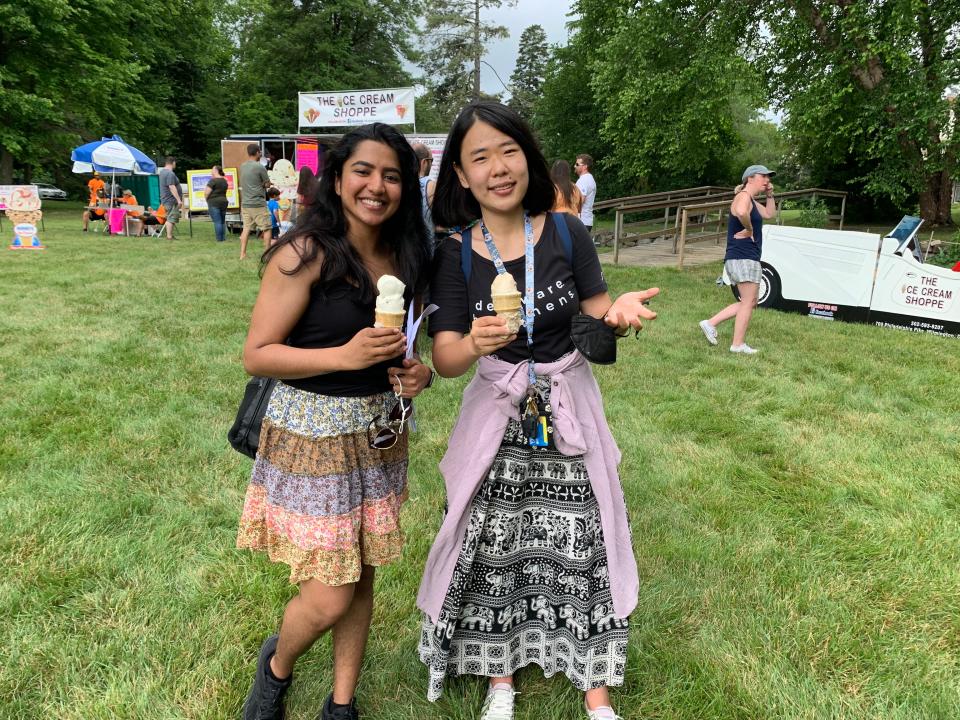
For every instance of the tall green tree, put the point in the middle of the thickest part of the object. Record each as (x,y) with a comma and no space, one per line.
(290,46)
(864,86)
(452,50)
(670,120)
(73,71)
(526,82)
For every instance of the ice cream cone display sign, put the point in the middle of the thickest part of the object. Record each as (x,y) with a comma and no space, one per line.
(506,301)
(23,209)
(389,309)
(285,178)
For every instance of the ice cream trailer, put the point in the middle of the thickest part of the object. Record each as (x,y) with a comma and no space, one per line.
(859,277)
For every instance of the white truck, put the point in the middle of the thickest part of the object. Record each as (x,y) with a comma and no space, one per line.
(859,277)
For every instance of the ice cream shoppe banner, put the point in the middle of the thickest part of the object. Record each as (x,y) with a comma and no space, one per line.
(197,180)
(356,107)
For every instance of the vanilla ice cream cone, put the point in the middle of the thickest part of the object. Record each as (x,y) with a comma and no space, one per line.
(389,319)
(506,301)
(507,306)
(388,311)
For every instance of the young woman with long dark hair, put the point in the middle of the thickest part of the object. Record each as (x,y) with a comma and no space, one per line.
(331,471)
(533,562)
(569,199)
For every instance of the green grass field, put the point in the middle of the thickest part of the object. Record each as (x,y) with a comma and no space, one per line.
(796,515)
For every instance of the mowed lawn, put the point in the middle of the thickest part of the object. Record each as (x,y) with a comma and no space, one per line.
(796,515)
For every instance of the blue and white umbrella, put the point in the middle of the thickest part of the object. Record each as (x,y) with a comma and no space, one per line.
(111,155)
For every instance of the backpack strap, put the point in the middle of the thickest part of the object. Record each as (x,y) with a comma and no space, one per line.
(561,224)
(466,252)
(466,244)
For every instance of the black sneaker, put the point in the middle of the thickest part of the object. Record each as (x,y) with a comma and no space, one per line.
(348,712)
(265,701)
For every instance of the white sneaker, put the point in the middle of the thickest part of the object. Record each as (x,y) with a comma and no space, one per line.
(744,349)
(499,703)
(604,712)
(709,331)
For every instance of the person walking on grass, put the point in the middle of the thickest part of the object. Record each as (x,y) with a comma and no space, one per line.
(742,259)
(170,196)
(331,471)
(533,562)
(254,182)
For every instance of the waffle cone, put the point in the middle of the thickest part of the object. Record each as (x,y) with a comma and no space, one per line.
(389,320)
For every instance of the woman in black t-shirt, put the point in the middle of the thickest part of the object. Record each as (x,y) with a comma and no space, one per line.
(530,582)
(216,195)
(331,470)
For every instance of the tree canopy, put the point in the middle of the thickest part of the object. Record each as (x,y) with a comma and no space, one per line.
(855,94)
(526,82)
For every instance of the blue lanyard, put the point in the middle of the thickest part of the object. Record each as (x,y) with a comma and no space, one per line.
(528,300)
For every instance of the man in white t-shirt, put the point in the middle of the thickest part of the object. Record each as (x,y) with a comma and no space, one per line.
(588,186)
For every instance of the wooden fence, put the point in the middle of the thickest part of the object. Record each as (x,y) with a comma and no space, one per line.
(722,207)
(692,211)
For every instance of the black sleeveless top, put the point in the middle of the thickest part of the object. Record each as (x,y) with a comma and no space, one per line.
(745,248)
(331,319)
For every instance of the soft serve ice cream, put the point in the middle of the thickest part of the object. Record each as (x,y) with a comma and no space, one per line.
(506,300)
(389,309)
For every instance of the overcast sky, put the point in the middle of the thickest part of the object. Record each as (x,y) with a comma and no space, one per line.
(502,55)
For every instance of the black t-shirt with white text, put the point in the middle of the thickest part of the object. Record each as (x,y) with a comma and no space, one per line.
(559,288)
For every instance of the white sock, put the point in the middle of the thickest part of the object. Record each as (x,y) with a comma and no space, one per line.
(604,711)
(502,686)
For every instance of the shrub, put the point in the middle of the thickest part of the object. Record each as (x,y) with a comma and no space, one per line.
(949,254)
(814,214)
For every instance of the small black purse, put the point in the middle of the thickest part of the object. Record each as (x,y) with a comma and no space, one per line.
(595,340)
(244,436)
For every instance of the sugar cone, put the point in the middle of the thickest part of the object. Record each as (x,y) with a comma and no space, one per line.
(507,306)
(389,320)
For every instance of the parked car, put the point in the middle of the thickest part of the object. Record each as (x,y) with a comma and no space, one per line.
(50,192)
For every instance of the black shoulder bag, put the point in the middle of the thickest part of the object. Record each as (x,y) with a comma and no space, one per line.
(244,436)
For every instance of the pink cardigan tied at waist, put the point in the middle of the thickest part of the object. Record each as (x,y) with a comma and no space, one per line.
(580,428)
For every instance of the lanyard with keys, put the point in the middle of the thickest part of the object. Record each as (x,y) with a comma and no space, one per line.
(535,417)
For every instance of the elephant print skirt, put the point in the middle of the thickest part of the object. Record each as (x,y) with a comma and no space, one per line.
(531,582)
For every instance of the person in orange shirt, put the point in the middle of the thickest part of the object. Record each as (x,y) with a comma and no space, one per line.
(98,213)
(154,217)
(133,225)
(96,185)
(130,199)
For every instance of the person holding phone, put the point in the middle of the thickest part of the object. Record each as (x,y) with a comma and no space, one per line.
(742,259)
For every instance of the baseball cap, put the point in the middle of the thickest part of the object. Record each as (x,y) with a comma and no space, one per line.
(756,170)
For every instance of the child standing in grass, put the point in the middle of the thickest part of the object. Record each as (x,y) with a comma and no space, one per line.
(534,561)
(331,470)
(273,207)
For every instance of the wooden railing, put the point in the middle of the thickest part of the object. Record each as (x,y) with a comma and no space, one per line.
(698,203)
(685,211)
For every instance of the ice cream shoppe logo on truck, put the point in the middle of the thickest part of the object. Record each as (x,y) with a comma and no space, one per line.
(924,291)
(394,106)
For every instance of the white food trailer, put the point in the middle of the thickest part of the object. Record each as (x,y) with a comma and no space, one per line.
(859,277)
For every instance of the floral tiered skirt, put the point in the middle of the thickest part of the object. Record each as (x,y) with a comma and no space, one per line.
(320,499)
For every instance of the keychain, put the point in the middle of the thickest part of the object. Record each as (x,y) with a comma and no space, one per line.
(544,435)
(529,414)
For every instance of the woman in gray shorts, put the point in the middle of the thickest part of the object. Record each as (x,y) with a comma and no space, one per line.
(742,260)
